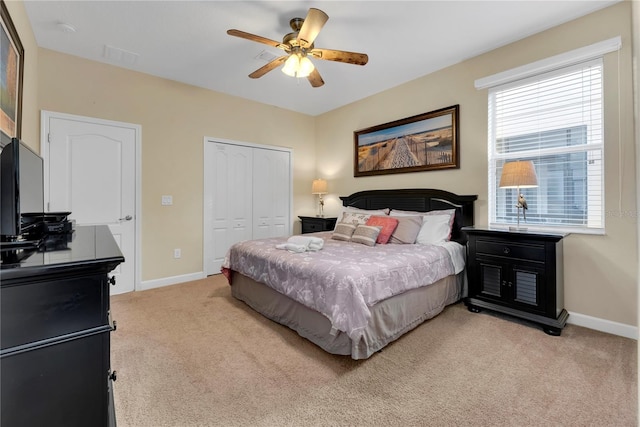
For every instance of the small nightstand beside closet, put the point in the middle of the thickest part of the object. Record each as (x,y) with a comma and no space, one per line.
(517,273)
(313,224)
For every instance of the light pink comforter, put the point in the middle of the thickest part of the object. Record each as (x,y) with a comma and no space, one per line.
(343,279)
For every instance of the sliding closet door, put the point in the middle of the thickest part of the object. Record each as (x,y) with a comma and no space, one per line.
(231,185)
(271,191)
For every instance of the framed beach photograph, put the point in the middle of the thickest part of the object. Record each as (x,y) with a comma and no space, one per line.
(424,142)
(11,71)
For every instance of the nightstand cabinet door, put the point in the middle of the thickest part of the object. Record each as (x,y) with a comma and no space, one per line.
(491,280)
(527,283)
(517,273)
(517,284)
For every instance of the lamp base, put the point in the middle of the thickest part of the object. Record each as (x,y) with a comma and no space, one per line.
(517,228)
(320,216)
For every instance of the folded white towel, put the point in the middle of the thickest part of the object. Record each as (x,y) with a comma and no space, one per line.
(302,243)
(303,240)
(315,246)
(292,247)
(312,243)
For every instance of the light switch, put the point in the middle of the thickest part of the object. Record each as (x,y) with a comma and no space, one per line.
(167,200)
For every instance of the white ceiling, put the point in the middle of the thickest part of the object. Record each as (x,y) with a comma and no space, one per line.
(186,41)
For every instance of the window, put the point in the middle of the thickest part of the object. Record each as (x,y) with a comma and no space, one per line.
(555,120)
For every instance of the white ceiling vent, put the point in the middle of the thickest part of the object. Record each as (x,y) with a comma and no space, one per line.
(122,56)
(266,56)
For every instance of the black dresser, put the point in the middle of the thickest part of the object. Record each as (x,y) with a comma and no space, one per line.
(55,330)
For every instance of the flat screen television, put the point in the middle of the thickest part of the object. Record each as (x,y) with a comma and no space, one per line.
(21,193)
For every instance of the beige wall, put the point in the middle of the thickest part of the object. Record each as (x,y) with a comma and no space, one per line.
(30,112)
(600,271)
(175,118)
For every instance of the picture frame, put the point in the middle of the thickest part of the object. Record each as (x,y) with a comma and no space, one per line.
(11,77)
(425,142)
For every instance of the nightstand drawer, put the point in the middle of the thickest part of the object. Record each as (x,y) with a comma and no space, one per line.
(510,250)
(314,224)
(312,227)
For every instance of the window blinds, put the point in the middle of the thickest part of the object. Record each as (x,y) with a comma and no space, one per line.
(554,119)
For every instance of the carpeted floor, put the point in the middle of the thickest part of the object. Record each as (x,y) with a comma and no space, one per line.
(191,355)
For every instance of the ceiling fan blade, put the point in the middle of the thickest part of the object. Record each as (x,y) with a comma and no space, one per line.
(312,25)
(315,79)
(266,68)
(253,37)
(340,56)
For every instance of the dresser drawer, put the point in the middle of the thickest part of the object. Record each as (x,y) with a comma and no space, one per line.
(43,309)
(61,384)
(506,248)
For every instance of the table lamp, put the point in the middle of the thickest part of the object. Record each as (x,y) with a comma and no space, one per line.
(519,174)
(319,187)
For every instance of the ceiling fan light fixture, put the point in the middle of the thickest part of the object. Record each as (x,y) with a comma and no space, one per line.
(297,45)
(297,66)
(306,67)
(291,66)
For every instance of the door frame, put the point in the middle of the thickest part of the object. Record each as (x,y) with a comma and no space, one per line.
(44,153)
(207,205)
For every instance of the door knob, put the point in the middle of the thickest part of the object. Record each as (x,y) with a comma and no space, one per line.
(126,218)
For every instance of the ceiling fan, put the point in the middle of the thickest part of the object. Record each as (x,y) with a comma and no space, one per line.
(299,46)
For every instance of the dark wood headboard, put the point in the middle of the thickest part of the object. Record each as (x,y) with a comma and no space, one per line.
(418,199)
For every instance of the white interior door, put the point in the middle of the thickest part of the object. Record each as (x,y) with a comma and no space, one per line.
(229,186)
(90,171)
(270,193)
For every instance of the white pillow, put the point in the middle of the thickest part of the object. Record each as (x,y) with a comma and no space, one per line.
(398,213)
(452,218)
(366,211)
(435,229)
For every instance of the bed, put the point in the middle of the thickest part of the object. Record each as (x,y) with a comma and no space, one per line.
(379,299)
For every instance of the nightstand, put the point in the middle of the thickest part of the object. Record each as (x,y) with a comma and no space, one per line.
(519,273)
(313,224)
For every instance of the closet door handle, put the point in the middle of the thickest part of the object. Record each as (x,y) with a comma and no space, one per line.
(126,218)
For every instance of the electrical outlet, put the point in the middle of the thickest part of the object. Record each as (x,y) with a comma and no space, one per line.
(177,253)
(167,200)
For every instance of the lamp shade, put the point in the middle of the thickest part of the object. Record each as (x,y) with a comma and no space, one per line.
(306,67)
(291,65)
(298,66)
(319,186)
(520,174)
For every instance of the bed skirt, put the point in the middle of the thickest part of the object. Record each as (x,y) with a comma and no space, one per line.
(390,318)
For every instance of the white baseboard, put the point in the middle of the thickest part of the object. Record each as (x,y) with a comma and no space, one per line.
(602,325)
(166,281)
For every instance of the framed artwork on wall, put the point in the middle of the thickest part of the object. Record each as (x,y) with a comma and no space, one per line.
(424,142)
(11,73)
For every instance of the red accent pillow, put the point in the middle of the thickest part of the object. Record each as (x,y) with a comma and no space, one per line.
(388,225)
